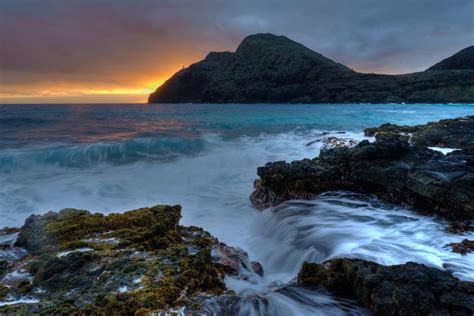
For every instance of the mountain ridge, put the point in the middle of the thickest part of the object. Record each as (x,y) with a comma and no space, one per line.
(267,68)
(464,59)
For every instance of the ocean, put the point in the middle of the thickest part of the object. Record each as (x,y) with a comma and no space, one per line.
(113,158)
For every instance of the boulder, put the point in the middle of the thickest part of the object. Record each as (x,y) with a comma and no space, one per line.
(391,168)
(406,289)
(451,133)
(463,247)
(146,227)
(138,262)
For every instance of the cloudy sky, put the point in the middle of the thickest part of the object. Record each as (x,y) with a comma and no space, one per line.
(121,50)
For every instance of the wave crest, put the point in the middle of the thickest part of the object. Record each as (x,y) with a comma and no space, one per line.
(86,155)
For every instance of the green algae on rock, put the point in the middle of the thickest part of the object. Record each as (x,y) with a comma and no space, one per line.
(3,267)
(3,291)
(311,274)
(146,229)
(137,262)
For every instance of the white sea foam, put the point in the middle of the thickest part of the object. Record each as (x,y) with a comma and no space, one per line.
(443,150)
(19,274)
(67,252)
(213,186)
(19,301)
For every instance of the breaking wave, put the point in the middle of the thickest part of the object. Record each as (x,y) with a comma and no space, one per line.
(211,177)
(93,154)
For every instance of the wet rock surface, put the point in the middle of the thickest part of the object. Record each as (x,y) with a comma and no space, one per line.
(333,140)
(460,227)
(463,247)
(397,172)
(399,168)
(451,133)
(407,289)
(8,251)
(138,262)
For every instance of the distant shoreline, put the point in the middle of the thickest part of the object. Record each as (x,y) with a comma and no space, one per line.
(236,103)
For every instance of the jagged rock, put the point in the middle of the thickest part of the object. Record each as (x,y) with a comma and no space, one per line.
(145,227)
(334,142)
(3,267)
(237,259)
(406,289)
(452,133)
(137,262)
(460,227)
(3,291)
(267,68)
(463,247)
(8,231)
(390,168)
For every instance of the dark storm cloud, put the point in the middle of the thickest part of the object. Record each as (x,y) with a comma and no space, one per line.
(123,43)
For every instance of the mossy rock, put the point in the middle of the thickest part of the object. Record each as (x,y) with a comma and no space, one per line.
(150,228)
(64,309)
(24,287)
(143,312)
(4,290)
(3,267)
(312,274)
(152,265)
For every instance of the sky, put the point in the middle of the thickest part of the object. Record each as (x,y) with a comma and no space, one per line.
(119,51)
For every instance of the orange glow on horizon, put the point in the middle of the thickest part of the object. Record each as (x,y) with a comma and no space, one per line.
(62,94)
(137,92)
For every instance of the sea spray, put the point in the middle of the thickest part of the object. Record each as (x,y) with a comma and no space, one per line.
(207,163)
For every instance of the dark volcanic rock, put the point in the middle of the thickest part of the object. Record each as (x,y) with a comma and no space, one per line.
(463,247)
(3,267)
(407,289)
(274,69)
(464,59)
(452,133)
(390,168)
(460,227)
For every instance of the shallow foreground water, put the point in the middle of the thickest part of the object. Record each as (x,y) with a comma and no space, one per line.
(109,158)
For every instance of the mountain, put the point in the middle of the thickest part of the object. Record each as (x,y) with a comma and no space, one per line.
(267,68)
(464,59)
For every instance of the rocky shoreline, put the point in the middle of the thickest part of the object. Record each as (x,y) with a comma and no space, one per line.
(138,262)
(144,262)
(452,133)
(399,168)
(407,289)
(393,168)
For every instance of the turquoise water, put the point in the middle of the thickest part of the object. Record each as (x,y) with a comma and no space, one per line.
(23,124)
(111,158)
(86,135)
